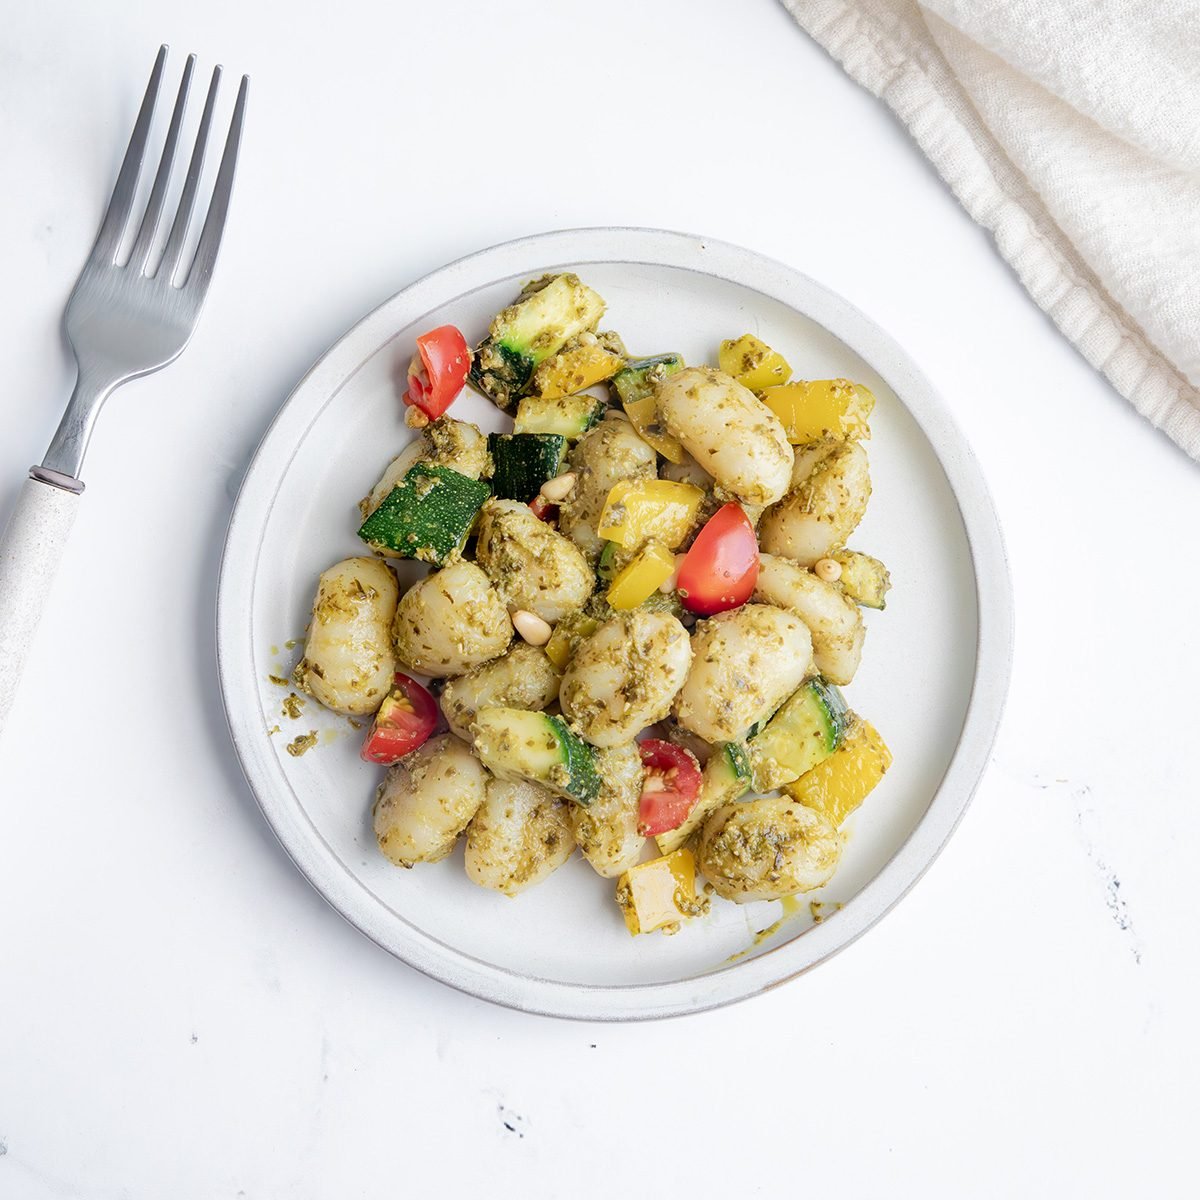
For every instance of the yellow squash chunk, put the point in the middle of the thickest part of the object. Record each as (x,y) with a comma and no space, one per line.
(567,635)
(821,408)
(643,416)
(864,579)
(640,578)
(659,893)
(576,366)
(837,786)
(640,509)
(753,363)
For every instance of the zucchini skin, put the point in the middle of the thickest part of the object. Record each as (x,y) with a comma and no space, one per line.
(637,379)
(818,710)
(426,516)
(500,373)
(571,416)
(522,462)
(582,781)
(546,315)
(571,774)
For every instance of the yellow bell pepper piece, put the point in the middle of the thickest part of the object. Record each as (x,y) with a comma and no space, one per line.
(567,635)
(577,366)
(659,893)
(837,786)
(643,416)
(753,363)
(640,509)
(640,578)
(821,408)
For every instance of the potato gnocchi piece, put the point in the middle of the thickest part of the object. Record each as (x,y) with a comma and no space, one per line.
(602,458)
(767,849)
(445,442)
(625,675)
(348,661)
(427,800)
(729,431)
(451,621)
(818,515)
(520,835)
(745,663)
(522,678)
(531,566)
(607,829)
(833,619)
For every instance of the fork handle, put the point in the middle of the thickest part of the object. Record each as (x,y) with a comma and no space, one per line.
(30,551)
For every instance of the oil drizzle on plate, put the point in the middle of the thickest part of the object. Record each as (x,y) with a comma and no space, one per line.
(789,906)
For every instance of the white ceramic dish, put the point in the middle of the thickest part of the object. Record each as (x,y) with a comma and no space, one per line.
(933,679)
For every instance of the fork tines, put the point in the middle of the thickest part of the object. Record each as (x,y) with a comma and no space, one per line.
(172,269)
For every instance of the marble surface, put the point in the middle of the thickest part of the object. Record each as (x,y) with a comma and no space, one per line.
(181,1015)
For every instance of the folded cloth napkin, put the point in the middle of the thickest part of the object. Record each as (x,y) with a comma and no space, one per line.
(1071,130)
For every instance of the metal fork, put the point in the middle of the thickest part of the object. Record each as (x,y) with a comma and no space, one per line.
(124,319)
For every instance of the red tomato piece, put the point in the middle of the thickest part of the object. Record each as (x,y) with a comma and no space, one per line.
(720,569)
(543,509)
(670,789)
(404,721)
(445,360)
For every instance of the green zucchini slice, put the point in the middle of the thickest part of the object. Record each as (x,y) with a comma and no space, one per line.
(522,462)
(806,730)
(426,516)
(544,318)
(513,743)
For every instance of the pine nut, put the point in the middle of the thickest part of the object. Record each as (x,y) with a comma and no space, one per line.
(559,488)
(828,569)
(531,627)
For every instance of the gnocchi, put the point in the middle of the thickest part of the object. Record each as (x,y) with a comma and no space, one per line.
(833,619)
(522,678)
(745,663)
(607,829)
(348,660)
(532,567)
(729,431)
(625,676)
(427,800)
(767,849)
(451,621)
(822,511)
(520,835)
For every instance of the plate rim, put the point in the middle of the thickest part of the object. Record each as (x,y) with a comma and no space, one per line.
(343,890)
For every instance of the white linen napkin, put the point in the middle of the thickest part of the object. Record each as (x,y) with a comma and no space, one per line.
(1071,130)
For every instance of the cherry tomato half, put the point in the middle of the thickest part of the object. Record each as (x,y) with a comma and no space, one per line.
(441,372)
(670,789)
(720,569)
(404,721)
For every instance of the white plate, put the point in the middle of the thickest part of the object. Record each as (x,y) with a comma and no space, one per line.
(933,677)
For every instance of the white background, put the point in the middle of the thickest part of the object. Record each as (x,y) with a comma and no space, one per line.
(180,1015)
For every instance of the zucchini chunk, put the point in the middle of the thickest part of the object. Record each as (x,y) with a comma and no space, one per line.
(864,579)
(569,416)
(426,516)
(532,745)
(544,318)
(522,462)
(635,385)
(805,731)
